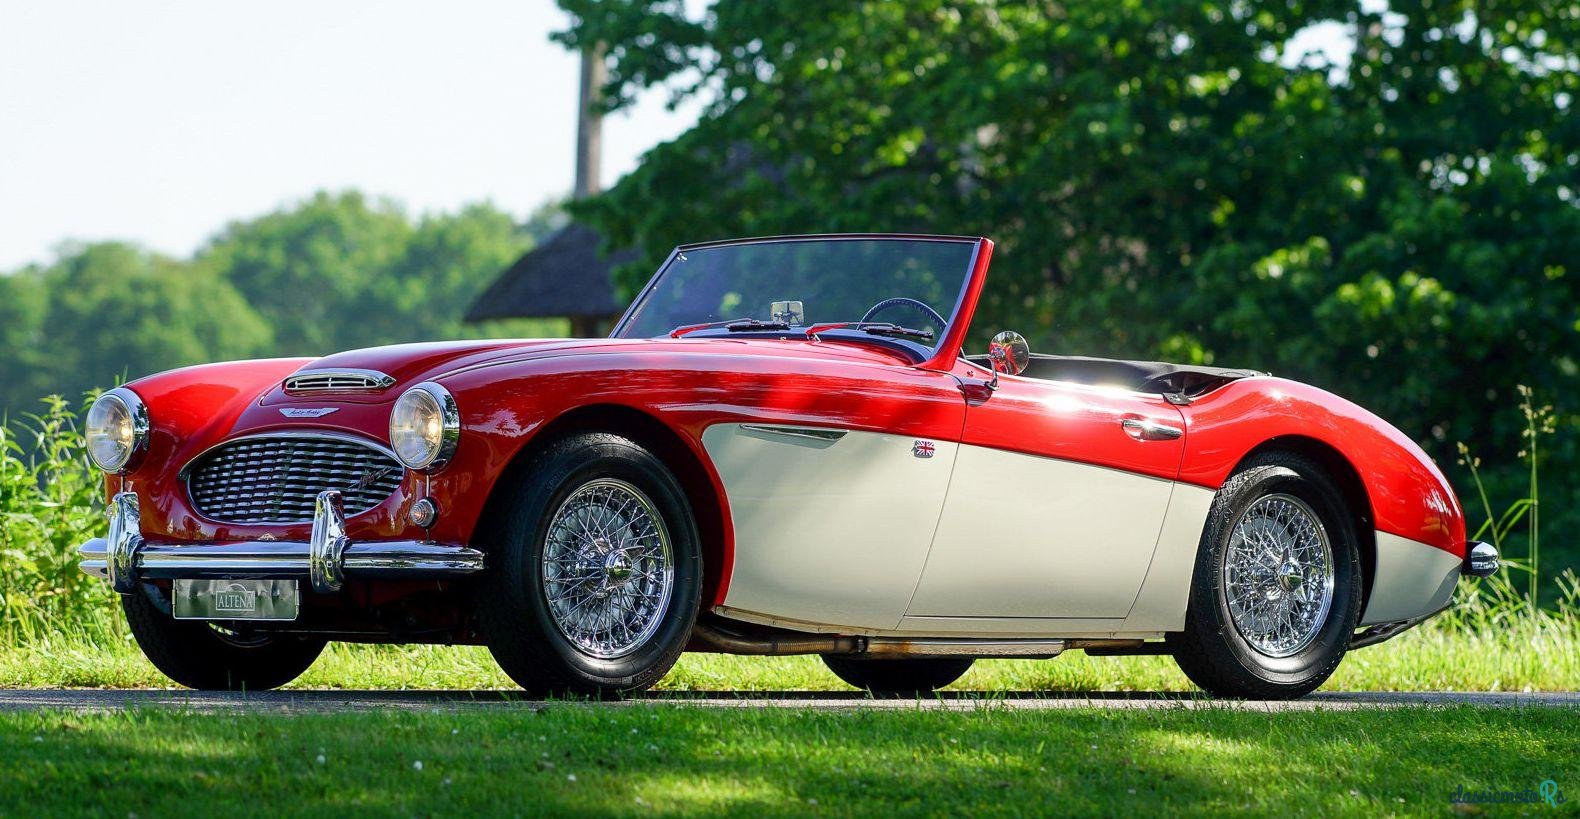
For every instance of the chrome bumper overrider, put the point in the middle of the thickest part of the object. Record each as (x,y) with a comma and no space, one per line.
(326,559)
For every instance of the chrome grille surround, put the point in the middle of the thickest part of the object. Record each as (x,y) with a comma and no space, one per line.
(337,380)
(275,478)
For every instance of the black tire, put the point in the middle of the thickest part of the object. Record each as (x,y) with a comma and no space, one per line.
(195,655)
(1211,650)
(897,678)
(512,604)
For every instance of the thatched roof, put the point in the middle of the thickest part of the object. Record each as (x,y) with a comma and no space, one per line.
(565,276)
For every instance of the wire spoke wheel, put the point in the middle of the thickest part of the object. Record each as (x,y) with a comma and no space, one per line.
(1278,575)
(608,568)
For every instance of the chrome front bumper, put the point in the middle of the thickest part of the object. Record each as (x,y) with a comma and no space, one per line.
(325,560)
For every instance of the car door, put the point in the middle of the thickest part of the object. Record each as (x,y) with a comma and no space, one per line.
(1055,504)
(833,505)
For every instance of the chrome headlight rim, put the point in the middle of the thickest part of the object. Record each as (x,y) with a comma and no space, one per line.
(137,417)
(443,450)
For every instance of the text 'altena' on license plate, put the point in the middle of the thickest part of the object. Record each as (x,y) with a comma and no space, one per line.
(234,599)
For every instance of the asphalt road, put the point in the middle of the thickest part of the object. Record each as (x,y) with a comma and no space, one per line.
(333,701)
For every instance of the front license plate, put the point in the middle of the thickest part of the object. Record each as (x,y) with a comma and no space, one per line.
(234,599)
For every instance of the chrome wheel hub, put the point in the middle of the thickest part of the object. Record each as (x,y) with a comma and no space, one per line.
(608,571)
(1278,575)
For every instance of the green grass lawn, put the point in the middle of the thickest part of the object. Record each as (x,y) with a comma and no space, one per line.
(568,758)
(575,759)
(1537,655)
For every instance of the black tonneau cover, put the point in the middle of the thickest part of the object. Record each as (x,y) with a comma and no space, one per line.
(1141,376)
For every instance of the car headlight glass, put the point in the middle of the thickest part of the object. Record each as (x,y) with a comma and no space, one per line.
(116,430)
(425,427)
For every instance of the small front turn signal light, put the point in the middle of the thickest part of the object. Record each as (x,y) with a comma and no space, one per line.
(424,513)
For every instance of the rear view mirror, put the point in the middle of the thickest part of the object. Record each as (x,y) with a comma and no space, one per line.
(789,312)
(1009,352)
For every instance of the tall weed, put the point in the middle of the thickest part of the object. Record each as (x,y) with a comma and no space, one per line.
(51,500)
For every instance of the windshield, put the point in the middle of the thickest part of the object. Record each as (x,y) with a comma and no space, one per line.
(788,285)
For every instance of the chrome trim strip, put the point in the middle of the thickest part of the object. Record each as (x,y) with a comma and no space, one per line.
(379,381)
(815,433)
(288,559)
(126,559)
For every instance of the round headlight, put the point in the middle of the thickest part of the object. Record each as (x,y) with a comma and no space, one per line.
(425,427)
(117,430)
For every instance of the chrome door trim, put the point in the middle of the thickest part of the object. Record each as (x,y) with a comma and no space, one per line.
(824,434)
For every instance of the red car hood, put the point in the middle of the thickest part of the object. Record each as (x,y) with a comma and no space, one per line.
(410,364)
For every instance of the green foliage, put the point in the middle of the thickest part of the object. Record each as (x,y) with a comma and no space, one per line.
(51,502)
(1164,179)
(330,273)
(1499,527)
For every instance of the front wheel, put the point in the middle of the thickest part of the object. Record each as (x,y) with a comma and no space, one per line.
(199,655)
(1277,587)
(907,678)
(597,571)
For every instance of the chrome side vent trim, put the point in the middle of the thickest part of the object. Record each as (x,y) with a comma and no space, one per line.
(338,380)
(822,434)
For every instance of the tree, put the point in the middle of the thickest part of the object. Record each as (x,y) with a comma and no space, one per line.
(330,273)
(109,311)
(312,268)
(1162,179)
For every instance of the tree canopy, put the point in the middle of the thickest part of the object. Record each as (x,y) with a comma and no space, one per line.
(1163,179)
(330,273)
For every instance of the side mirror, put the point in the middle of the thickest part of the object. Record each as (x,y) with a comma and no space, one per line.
(1009,352)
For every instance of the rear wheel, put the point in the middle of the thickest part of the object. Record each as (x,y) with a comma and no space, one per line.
(204,656)
(1276,592)
(597,571)
(897,677)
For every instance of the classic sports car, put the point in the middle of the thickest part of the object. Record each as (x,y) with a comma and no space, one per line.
(782,448)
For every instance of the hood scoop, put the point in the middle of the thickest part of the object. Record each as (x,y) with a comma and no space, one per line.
(340,379)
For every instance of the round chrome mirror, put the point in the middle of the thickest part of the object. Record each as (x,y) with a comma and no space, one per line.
(1009,352)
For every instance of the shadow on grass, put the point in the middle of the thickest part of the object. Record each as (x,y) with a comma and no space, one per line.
(673,758)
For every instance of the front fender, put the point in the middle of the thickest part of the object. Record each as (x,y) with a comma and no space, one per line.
(1408,494)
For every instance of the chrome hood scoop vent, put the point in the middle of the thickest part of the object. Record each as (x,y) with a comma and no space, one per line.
(340,379)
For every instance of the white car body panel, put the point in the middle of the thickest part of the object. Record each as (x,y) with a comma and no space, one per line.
(860,536)
(1028,536)
(1412,580)
(828,532)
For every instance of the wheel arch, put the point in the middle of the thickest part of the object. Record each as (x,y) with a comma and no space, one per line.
(1357,499)
(696,477)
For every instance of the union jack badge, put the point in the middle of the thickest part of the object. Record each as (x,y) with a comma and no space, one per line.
(923,449)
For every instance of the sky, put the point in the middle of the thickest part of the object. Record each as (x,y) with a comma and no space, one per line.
(159,121)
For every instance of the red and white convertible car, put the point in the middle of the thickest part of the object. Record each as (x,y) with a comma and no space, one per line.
(782,448)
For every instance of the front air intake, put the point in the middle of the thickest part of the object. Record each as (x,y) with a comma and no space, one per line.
(277,478)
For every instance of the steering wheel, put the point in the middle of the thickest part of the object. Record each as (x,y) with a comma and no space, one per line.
(904,300)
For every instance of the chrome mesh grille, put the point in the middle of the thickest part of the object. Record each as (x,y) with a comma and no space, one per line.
(276,479)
